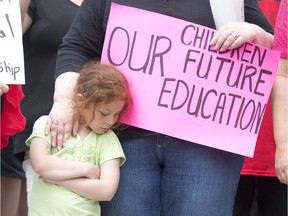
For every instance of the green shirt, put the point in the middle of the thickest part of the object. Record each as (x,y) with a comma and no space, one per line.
(53,200)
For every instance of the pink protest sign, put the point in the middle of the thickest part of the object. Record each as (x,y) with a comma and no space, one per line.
(183,88)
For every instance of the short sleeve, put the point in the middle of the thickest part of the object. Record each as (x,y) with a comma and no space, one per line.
(280,37)
(110,148)
(38,130)
(253,14)
(32,9)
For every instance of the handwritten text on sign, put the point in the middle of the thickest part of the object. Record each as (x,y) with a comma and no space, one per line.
(182,87)
(11,54)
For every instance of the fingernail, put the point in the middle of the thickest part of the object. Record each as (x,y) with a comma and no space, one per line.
(58,148)
(212,47)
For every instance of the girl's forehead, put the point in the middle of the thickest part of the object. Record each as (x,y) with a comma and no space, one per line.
(111,106)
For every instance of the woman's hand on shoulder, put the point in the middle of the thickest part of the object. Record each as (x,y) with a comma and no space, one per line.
(61,123)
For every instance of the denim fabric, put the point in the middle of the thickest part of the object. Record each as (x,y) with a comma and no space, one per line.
(171,177)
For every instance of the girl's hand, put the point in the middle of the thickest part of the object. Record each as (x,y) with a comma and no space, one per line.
(233,35)
(92,171)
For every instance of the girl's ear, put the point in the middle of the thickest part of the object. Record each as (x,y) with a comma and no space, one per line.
(79,97)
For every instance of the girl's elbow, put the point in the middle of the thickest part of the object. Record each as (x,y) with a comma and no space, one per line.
(39,167)
(108,197)
(109,194)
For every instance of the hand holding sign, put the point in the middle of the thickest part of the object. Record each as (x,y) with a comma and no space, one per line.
(233,35)
(3,88)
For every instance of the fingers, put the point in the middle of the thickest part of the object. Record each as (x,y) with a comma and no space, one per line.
(59,124)
(52,128)
(63,133)
(3,88)
(60,134)
(48,125)
(226,41)
(282,175)
(54,134)
(232,36)
(281,163)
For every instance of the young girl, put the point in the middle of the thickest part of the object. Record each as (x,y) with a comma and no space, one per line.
(73,180)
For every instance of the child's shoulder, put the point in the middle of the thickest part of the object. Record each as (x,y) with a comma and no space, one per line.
(41,120)
(109,134)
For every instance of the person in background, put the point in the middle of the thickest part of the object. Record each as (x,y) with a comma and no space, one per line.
(259,186)
(12,180)
(101,97)
(279,96)
(162,175)
(44,26)
(12,121)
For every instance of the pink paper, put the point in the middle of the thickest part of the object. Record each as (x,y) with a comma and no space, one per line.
(184,89)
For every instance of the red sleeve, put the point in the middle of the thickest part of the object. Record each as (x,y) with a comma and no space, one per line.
(280,36)
(12,119)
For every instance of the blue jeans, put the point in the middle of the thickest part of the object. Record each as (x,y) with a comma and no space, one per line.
(171,177)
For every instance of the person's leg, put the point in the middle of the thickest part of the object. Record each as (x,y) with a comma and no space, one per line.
(138,193)
(12,181)
(272,197)
(244,196)
(23,208)
(198,180)
(10,195)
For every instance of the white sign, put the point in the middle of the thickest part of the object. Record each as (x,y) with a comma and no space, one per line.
(11,47)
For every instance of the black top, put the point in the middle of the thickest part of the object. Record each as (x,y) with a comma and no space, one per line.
(84,41)
(51,20)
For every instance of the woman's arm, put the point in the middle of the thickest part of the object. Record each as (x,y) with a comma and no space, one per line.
(24,4)
(26,19)
(82,43)
(61,112)
(102,189)
(52,167)
(279,98)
